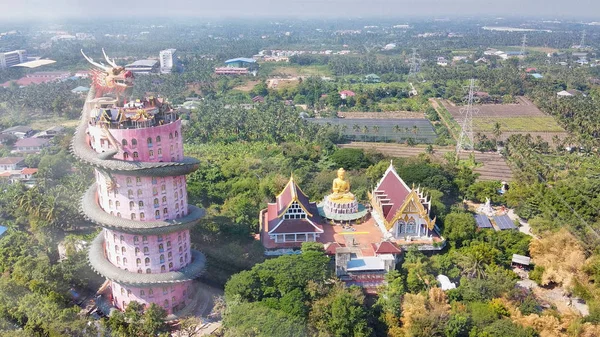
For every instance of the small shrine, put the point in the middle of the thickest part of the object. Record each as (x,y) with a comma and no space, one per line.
(341,205)
(486,208)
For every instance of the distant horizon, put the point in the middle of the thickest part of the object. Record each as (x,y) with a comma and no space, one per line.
(59,10)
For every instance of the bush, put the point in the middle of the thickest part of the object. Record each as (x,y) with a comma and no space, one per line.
(536,274)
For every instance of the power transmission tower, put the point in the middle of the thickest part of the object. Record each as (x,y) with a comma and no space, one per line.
(466,141)
(414,64)
(523,44)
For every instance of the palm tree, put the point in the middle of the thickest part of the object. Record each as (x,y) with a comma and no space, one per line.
(365,130)
(415,129)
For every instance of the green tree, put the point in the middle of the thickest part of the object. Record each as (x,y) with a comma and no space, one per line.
(459,228)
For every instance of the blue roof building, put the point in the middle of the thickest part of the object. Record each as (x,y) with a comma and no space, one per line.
(2,230)
(242,62)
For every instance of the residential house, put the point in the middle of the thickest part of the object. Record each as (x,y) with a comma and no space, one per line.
(11,163)
(30,145)
(372,78)
(347,93)
(19,131)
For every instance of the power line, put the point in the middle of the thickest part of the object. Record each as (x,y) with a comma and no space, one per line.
(465,140)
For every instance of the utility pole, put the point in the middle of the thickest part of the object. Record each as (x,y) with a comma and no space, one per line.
(523,44)
(466,141)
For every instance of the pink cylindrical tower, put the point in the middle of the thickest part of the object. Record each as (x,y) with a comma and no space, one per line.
(139,199)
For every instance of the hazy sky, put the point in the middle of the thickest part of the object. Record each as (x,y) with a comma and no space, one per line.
(52,9)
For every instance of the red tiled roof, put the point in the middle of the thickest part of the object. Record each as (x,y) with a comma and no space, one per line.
(386,247)
(347,93)
(29,171)
(5,174)
(11,160)
(332,247)
(393,188)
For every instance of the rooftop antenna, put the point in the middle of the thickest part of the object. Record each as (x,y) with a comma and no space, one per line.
(465,141)
(523,44)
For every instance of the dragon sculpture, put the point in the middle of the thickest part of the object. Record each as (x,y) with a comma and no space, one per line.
(111,77)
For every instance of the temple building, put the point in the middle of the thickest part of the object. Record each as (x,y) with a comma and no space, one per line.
(288,222)
(139,196)
(402,213)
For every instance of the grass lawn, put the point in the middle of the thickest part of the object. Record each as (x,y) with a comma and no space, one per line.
(521,124)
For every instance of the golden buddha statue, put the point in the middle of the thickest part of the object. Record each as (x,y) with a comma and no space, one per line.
(341,188)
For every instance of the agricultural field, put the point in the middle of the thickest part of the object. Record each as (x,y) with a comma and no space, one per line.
(522,117)
(492,165)
(380,115)
(383,130)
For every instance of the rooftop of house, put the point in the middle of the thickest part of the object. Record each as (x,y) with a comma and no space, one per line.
(18,128)
(31,142)
(10,160)
(143,63)
(241,59)
(29,171)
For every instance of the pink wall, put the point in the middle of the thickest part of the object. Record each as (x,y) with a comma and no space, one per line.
(169,148)
(169,296)
(170,192)
(123,253)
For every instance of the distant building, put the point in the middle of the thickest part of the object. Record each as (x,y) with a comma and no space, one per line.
(80,90)
(12,58)
(372,78)
(50,133)
(30,145)
(367,272)
(168,60)
(19,131)
(537,76)
(242,62)
(143,67)
(11,163)
(231,71)
(347,93)
(441,61)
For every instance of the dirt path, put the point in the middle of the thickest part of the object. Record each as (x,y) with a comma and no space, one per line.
(436,106)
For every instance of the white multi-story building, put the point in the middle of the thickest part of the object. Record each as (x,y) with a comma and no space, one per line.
(11,58)
(168,60)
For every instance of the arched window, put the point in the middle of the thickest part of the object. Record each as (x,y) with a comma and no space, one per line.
(142,216)
(129,180)
(176,195)
(162,258)
(140,193)
(118,259)
(173,300)
(168,244)
(135,155)
(163,188)
(124,142)
(136,239)
(116,249)
(186,257)
(157,214)
(163,268)
(155,202)
(138,262)
(130,194)
(158,139)
(154,181)
(138,180)
(164,200)
(159,238)
(142,293)
(125,155)
(124,305)
(146,250)
(115,238)
(110,203)
(122,291)
(123,250)
(176,134)
(141,204)
(170,135)
(145,238)
(117,204)
(165,211)
(125,261)
(166,304)
(148,271)
(131,204)
(170,264)
(180,249)
(134,142)
(137,250)
(147,261)
(151,153)
(161,248)
(132,216)
(140,271)
(150,291)
(149,140)
(119,214)
(165,290)
(154,191)
(170,255)
(181,259)
(160,152)
(122,238)
(179,238)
